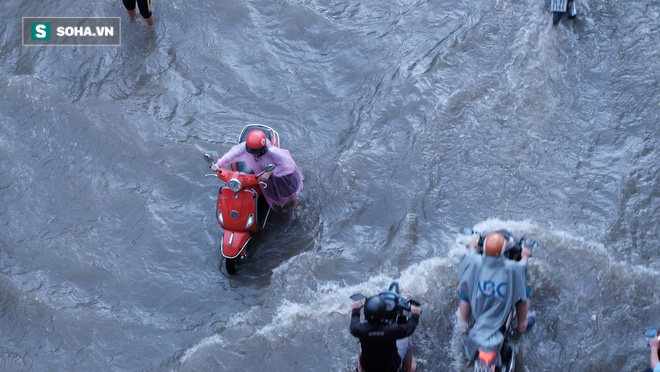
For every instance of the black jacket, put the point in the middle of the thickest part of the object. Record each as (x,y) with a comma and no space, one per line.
(378,342)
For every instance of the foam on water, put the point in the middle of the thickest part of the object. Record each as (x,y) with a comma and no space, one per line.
(211,340)
(329,300)
(326,302)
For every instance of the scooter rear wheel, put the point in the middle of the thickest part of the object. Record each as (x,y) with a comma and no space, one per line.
(230,265)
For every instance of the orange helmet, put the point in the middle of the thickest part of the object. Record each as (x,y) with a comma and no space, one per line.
(494,244)
(255,143)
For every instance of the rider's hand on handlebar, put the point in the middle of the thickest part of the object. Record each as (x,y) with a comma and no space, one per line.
(265,176)
(415,309)
(655,343)
(356,305)
(474,244)
(526,253)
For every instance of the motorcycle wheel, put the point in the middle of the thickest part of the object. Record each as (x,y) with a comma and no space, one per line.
(508,358)
(230,265)
(556,17)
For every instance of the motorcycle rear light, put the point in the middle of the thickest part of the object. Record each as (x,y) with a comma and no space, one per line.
(218,216)
(488,356)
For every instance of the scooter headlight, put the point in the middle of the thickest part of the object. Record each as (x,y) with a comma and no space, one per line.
(234,185)
(250,220)
(218,216)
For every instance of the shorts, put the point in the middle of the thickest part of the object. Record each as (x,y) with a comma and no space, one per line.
(403,347)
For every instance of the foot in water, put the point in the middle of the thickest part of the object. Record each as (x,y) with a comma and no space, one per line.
(288,211)
(531,320)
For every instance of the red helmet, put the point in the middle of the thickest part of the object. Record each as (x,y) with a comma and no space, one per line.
(494,244)
(255,143)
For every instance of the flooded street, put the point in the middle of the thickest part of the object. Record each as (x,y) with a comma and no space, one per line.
(408,119)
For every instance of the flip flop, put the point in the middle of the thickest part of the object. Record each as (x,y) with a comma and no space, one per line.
(531,320)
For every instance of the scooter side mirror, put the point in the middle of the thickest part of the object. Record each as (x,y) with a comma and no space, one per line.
(530,243)
(208,158)
(357,296)
(466,231)
(269,167)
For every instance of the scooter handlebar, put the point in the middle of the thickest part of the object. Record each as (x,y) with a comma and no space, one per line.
(246,179)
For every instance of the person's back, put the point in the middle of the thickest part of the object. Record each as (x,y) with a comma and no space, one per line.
(490,286)
(382,346)
(378,346)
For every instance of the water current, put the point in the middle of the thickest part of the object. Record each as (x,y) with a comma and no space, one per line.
(409,119)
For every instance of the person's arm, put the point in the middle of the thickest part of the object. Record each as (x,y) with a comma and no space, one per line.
(402,330)
(465,267)
(526,253)
(655,343)
(405,330)
(522,308)
(465,309)
(357,328)
(283,161)
(231,156)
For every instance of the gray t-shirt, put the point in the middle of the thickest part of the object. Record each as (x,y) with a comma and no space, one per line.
(492,286)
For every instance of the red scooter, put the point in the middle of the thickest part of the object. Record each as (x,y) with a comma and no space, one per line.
(242,209)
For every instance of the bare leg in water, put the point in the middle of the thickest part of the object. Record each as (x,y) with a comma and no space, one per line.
(288,209)
(409,363)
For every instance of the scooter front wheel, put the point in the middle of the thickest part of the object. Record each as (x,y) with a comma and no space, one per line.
(230,265)
(556,17)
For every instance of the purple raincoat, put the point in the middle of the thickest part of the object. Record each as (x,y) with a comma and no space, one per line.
(286,181)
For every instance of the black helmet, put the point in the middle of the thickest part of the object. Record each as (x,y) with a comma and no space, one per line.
(374,309)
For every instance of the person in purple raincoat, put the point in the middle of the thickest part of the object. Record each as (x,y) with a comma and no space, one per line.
(284,183)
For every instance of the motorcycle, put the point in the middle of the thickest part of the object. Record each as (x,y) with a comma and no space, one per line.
(395,308)
(513,252)
(486,361)
(395,304)
(241,209)
(559,7)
